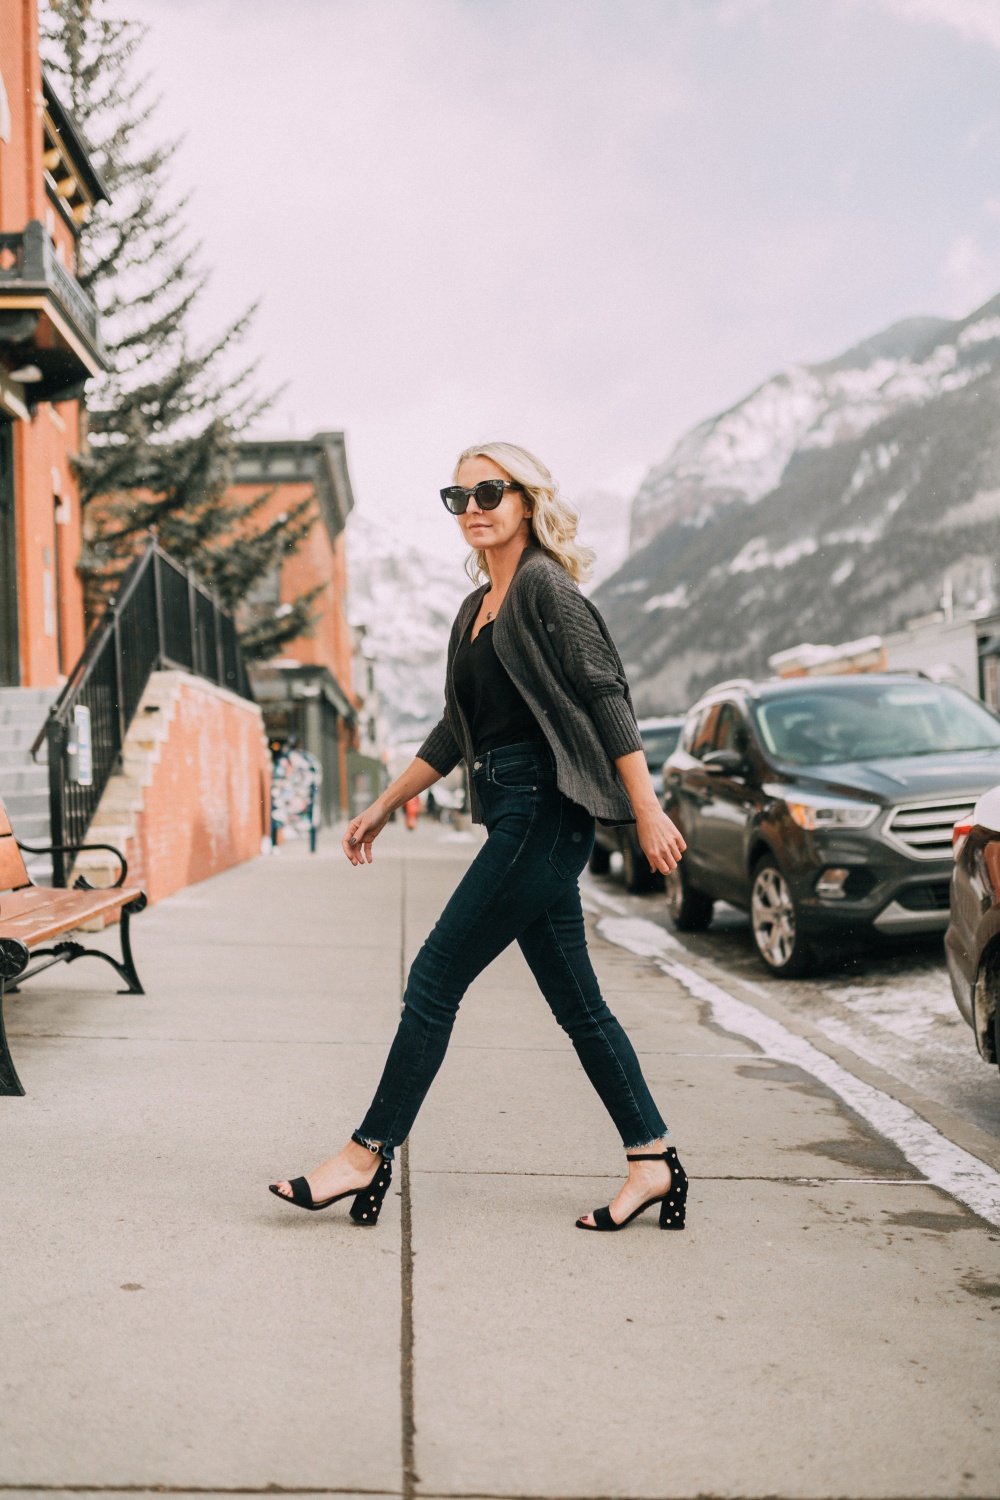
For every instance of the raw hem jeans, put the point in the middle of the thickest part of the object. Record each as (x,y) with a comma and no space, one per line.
(521,886)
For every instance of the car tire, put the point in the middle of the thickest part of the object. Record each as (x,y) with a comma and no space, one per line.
(635,868)
(689,910)
(599,862)
(774,921)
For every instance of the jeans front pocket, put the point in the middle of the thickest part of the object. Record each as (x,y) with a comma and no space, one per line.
(574,840)
(517,776)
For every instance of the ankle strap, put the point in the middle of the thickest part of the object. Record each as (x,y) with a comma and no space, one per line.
(647,1155)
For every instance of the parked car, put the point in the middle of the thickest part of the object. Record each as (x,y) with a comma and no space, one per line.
(659,739)
(825,807)
(972,942)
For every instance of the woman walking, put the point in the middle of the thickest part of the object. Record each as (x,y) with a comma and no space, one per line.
(537,705)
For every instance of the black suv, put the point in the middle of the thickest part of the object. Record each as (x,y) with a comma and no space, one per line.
(824,806)
(659,739)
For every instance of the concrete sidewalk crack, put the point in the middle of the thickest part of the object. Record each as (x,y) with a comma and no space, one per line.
(407,1419)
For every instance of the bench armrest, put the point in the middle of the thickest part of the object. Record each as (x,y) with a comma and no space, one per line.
(81,883)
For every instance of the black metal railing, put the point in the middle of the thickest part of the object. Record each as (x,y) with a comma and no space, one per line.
(162,617)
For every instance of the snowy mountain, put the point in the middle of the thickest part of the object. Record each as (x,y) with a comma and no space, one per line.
(828,505)
(406,599)
(741,454)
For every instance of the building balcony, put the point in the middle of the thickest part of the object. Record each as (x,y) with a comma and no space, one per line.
(48,325)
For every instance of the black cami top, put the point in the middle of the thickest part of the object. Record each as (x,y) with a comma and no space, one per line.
(496,713)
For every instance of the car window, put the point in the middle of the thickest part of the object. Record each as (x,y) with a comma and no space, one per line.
(690,731)
(873,721)
(730,731)
(704,739)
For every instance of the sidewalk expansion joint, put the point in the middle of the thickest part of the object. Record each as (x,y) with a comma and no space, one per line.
(408,1425)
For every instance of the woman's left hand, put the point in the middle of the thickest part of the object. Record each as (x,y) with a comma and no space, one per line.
(659,839)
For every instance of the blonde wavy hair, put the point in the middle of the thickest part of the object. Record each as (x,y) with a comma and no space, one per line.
(553,519)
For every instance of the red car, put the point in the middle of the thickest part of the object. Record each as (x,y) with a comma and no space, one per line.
(972,941)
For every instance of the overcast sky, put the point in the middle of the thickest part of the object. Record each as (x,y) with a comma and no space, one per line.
(582,225)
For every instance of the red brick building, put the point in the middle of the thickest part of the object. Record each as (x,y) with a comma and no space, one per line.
(308,693)
(49,345)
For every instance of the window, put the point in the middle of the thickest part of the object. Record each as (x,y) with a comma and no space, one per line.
(873,721)
(704,739)
(731,732)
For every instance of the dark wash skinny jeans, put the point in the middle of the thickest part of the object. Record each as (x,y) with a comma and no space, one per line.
(522,885)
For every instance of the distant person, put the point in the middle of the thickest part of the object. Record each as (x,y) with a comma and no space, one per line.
(411,811)
(537,705)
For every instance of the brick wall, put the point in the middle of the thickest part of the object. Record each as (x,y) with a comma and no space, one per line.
(194,795)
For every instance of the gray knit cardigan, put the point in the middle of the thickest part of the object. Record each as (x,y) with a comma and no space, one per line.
(557,650)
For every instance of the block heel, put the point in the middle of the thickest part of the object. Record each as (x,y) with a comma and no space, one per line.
(367,1203)
(673,1202)
(673,1207)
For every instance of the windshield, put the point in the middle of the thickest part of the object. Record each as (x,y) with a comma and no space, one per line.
(658,744)
(873,721)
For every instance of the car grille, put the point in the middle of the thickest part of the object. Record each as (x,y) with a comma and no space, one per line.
(924,828)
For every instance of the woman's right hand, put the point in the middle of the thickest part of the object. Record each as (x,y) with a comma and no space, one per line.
(363,830)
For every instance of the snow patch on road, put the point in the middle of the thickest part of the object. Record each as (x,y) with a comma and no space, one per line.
(639,936)
(943,1163)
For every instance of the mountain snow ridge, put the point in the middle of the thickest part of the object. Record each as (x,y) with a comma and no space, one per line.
(836,501)
(741,454)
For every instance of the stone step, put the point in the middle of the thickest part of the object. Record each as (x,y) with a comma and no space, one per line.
(42,696)
(13,736)
(19,718)
(24,782)
(18,757)
(26,805)
(32,830)
(30,799)
(22,778)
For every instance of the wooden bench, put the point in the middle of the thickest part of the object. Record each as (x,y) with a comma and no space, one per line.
(31,915)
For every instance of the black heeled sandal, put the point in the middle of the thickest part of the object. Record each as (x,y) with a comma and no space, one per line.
(672,1202)
(367,1203)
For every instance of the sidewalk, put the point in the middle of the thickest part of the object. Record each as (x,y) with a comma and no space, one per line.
(829,1325)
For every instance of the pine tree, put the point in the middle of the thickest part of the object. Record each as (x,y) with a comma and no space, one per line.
(163,423)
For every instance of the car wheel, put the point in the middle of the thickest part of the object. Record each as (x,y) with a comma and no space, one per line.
(635,868)
(689,910)
(775,923)
(600,860)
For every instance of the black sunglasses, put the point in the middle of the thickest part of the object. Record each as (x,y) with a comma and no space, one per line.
(488,493)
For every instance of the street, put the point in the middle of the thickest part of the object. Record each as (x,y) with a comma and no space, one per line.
(890,1004)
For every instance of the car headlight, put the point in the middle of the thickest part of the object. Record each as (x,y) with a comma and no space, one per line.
(820,815)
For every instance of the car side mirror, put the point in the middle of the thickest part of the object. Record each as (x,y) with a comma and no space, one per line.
(724,763)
